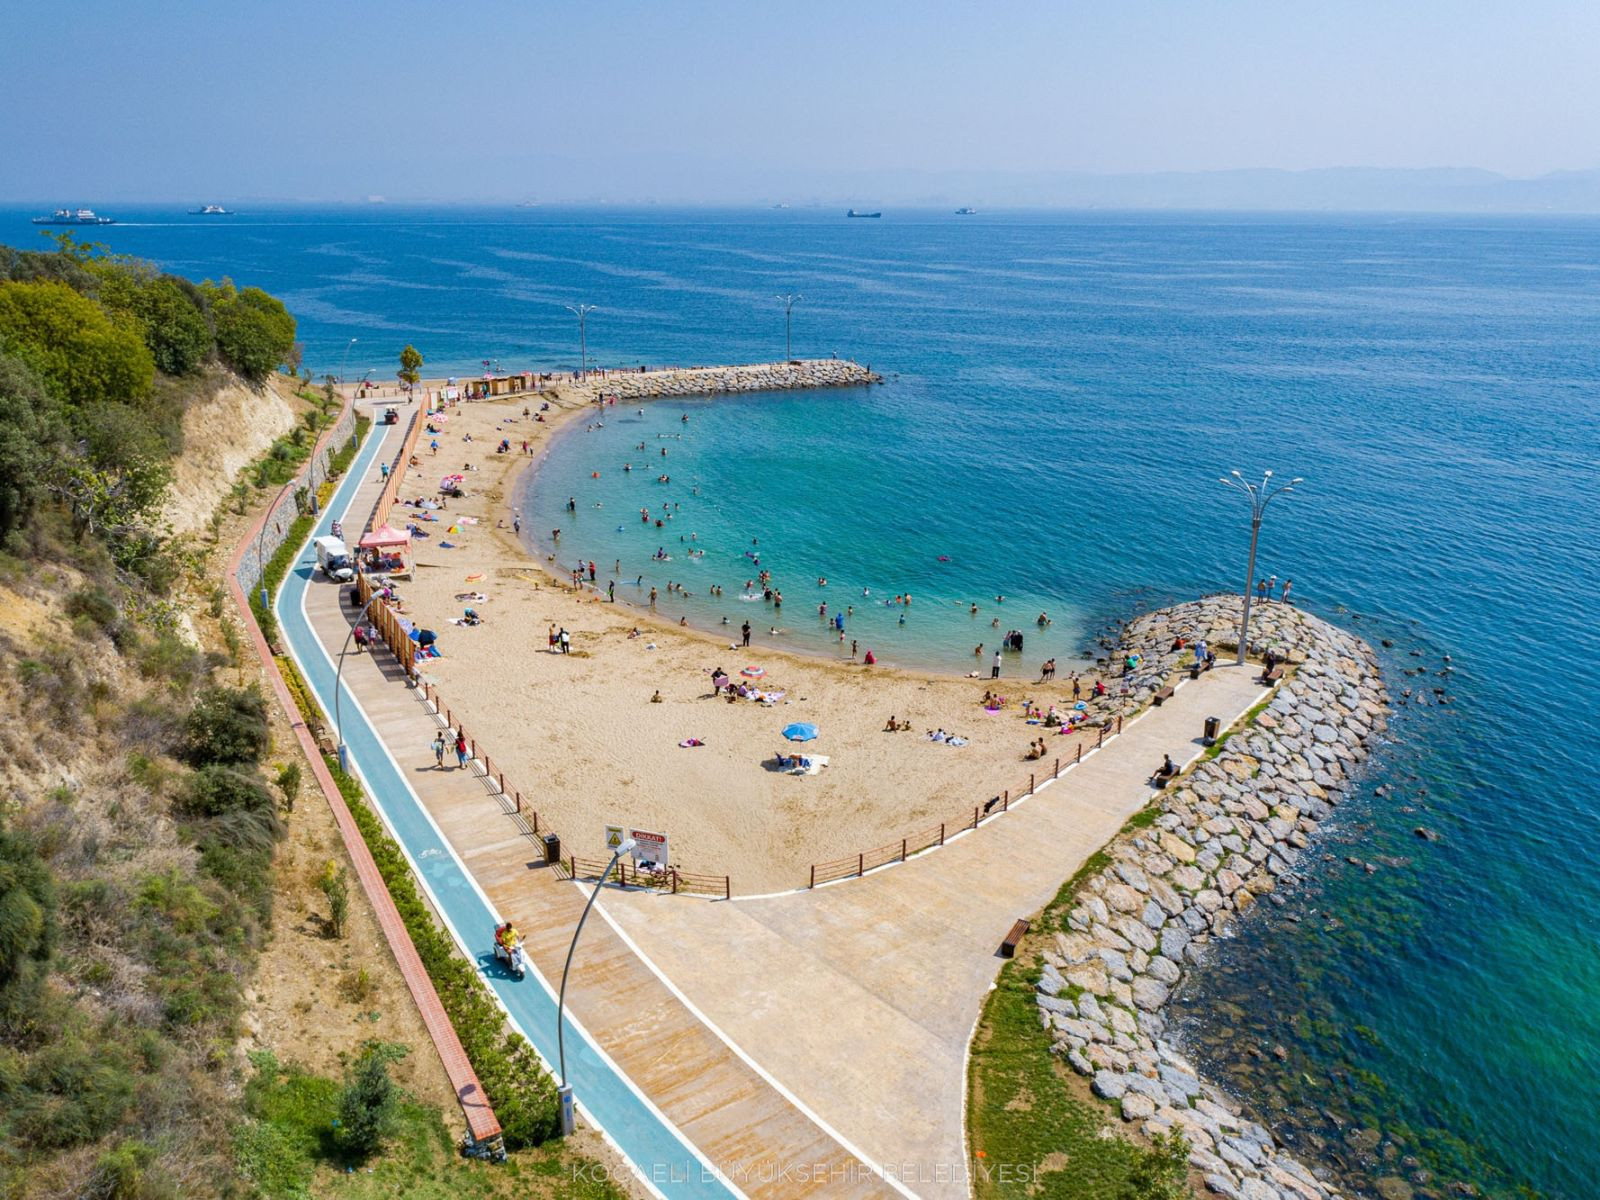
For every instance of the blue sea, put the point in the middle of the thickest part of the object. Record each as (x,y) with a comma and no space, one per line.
(1062,393)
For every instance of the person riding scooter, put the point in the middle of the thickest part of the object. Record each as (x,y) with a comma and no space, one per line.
(508,948)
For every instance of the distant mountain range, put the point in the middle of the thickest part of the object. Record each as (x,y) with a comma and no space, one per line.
(1334,189)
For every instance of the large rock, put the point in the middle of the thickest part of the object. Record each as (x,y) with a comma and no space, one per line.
(1150,994)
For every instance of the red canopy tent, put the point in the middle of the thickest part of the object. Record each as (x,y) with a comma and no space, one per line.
(387,538)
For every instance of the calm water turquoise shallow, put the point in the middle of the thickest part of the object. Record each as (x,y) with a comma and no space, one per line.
(1062,393)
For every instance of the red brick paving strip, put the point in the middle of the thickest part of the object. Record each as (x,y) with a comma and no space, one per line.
(481,1121)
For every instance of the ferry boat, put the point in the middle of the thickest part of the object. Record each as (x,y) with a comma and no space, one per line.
(854,213)
(966,212)
(210,210)
(74,216)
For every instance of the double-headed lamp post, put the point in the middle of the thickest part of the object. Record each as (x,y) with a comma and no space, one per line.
(345,360)
(564,1092)
(788,323)
(338,674)
(1260,495)
(582,311)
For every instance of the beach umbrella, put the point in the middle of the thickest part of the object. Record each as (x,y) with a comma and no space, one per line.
(800,731)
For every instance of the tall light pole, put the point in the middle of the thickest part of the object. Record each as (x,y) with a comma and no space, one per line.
(1260,495)
(564,1092)
(338,674)
(582,311)
(345,360)
(788,323)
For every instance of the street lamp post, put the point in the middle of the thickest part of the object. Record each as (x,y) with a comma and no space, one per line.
(338,674)
(1260,495)
(582,311)
(788,323)
(345,360)
(564,1092)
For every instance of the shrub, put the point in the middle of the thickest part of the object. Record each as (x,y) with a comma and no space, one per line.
(289,784)
(96,604)
(368,1102)
(175,330)
(335,885)
(31,429)
(27,908)
(226,725)
(216,790)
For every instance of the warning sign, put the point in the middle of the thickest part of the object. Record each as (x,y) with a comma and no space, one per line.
(613,838)
(649,847)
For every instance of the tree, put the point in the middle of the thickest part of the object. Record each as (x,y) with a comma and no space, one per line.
(31,432)
(410,362)
(335,885)
(84,354)
(254,331)
(368,1102)
(175,329)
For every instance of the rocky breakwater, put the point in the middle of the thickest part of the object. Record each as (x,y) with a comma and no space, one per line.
(1225,835)
(711,381)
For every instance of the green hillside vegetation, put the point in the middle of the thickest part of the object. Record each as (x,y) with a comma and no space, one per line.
(137,827)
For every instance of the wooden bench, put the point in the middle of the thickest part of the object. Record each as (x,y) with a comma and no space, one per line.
(1162,696)
(1008,948)
(1273,675)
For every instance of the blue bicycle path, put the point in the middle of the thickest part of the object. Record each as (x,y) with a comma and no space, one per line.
(666,1159)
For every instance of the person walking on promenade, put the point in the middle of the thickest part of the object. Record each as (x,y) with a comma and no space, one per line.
(438,749)
(1287,584)
(462,753)
(994,672)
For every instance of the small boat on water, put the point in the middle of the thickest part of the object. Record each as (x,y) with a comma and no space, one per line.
(854,213)
(210,210)
(966,212)
(74,216)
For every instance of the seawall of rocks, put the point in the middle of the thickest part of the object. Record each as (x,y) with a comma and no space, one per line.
(711,381)
(1227,833)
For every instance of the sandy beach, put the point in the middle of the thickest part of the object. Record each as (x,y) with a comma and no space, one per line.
(580,735)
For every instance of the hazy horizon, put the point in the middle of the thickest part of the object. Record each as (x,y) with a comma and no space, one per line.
(735,103)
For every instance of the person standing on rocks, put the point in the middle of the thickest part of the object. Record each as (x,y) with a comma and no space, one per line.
(1272,586)
(1287,584)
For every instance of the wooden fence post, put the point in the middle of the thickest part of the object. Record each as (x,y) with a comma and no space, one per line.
(941,833)
(1031,783)
(1055,771)
(902,849)
(974,816)
(727,887)
(861,864)
(813,882)
(1079,758)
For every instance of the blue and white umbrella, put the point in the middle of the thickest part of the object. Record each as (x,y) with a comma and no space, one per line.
(801,732)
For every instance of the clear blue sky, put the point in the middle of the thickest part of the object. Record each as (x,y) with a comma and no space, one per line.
(613,98)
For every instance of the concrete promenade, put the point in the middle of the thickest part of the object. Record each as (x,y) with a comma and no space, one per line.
(693,1117)
(859,998)
(799,1043)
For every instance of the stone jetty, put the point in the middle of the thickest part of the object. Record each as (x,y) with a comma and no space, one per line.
(1226,834)
(716,381)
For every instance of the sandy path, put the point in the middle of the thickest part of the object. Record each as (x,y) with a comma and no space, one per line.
(580,733)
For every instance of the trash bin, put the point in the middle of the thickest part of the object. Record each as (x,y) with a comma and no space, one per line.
(1194,670)
(552,849)
(1213,726)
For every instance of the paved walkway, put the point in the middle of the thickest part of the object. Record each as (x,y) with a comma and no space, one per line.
(690,1114)
(859,998)
(797,1042)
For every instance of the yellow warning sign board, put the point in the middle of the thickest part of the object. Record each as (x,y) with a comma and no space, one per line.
(613,838)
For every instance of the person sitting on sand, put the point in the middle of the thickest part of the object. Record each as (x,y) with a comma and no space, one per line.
(656,697)
(892,726)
